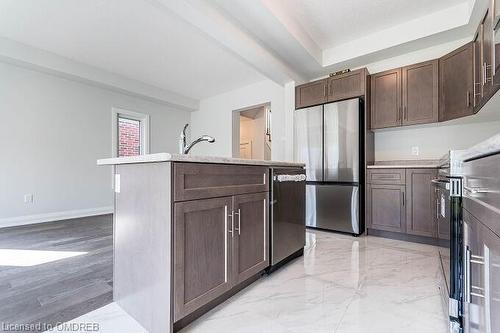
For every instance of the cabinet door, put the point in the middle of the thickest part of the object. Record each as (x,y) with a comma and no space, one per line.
(347,85)
(477,45)
(455,83)
(488,50)
(250,246)
(310,94)
(386,207)
(420,93)
(386,99)
(202,238)
(421,203)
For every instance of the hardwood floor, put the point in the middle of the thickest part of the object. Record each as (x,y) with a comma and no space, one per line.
(56,291)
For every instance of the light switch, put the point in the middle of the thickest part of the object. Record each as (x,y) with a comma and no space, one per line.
(415,151)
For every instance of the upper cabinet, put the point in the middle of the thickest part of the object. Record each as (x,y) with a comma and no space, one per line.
(456,83)
(386,99)
(420,93)
(335,88)
(496,41)
(405,96)
(310,94)
(347,85)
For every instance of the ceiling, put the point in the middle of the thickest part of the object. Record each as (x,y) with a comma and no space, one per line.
(133,38)
(180,52)
(334,22)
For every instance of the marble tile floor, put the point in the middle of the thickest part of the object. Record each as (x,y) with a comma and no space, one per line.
(341,285)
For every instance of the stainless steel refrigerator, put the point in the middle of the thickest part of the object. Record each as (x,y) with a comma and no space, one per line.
(327,138)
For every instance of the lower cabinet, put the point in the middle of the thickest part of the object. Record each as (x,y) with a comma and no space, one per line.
(218,243)
(404,202)
(250,236)
(386,207)
(421,208)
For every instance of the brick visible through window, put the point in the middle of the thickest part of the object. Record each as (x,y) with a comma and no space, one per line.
(129,137)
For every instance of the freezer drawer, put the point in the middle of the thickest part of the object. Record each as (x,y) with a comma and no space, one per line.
(333,207)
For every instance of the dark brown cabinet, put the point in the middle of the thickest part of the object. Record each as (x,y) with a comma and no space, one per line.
(487,51)
(201,253)
(310,94)
(218,244)
(348,85)
(250,236)
(386,99)
(405,96)
(402,201)
(420,93)
(477,65)
(420,198)
(386,207)
(456,84)
(335,88)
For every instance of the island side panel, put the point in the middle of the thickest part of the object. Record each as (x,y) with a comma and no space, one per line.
(142,244)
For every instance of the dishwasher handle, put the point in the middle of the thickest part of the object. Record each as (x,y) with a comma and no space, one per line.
(290,178)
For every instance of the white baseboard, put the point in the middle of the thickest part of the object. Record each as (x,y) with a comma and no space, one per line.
(56,216)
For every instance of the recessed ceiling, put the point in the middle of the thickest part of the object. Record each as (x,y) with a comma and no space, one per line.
(333,22)
(137,39)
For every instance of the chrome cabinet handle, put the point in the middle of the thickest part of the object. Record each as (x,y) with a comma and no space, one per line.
(239,221)
(484,73)
(232,223)
(438,207)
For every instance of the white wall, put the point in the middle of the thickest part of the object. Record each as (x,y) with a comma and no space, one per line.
(215,118)
(433,140)
(53,131)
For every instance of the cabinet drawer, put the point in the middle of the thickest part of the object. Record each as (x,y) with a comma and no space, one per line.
(386,176)
(197,181)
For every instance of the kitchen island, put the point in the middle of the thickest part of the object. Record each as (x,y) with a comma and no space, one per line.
(189,232)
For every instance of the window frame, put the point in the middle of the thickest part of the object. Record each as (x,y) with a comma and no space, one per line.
(143,119)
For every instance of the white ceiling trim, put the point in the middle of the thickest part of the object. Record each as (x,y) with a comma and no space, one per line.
(219,27)
(432,24)
(33,58)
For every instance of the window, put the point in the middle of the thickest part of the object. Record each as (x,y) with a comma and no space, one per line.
(130,133)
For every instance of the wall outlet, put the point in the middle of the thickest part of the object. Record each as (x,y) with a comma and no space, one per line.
(415,151)
(28,198)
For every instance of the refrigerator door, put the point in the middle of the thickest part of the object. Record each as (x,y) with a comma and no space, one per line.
(333,207)
(341,153)
(308,136)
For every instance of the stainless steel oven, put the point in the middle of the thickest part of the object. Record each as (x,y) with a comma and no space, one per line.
(448,187)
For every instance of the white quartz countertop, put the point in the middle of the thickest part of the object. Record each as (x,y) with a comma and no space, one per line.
(405,164)
(167,157)
(487,147)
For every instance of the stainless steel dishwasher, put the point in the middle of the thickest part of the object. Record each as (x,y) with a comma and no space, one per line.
(288,214)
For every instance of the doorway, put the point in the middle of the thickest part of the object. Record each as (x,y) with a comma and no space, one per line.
(252,132)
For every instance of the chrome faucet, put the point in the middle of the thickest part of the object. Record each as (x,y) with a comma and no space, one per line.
(184,148)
